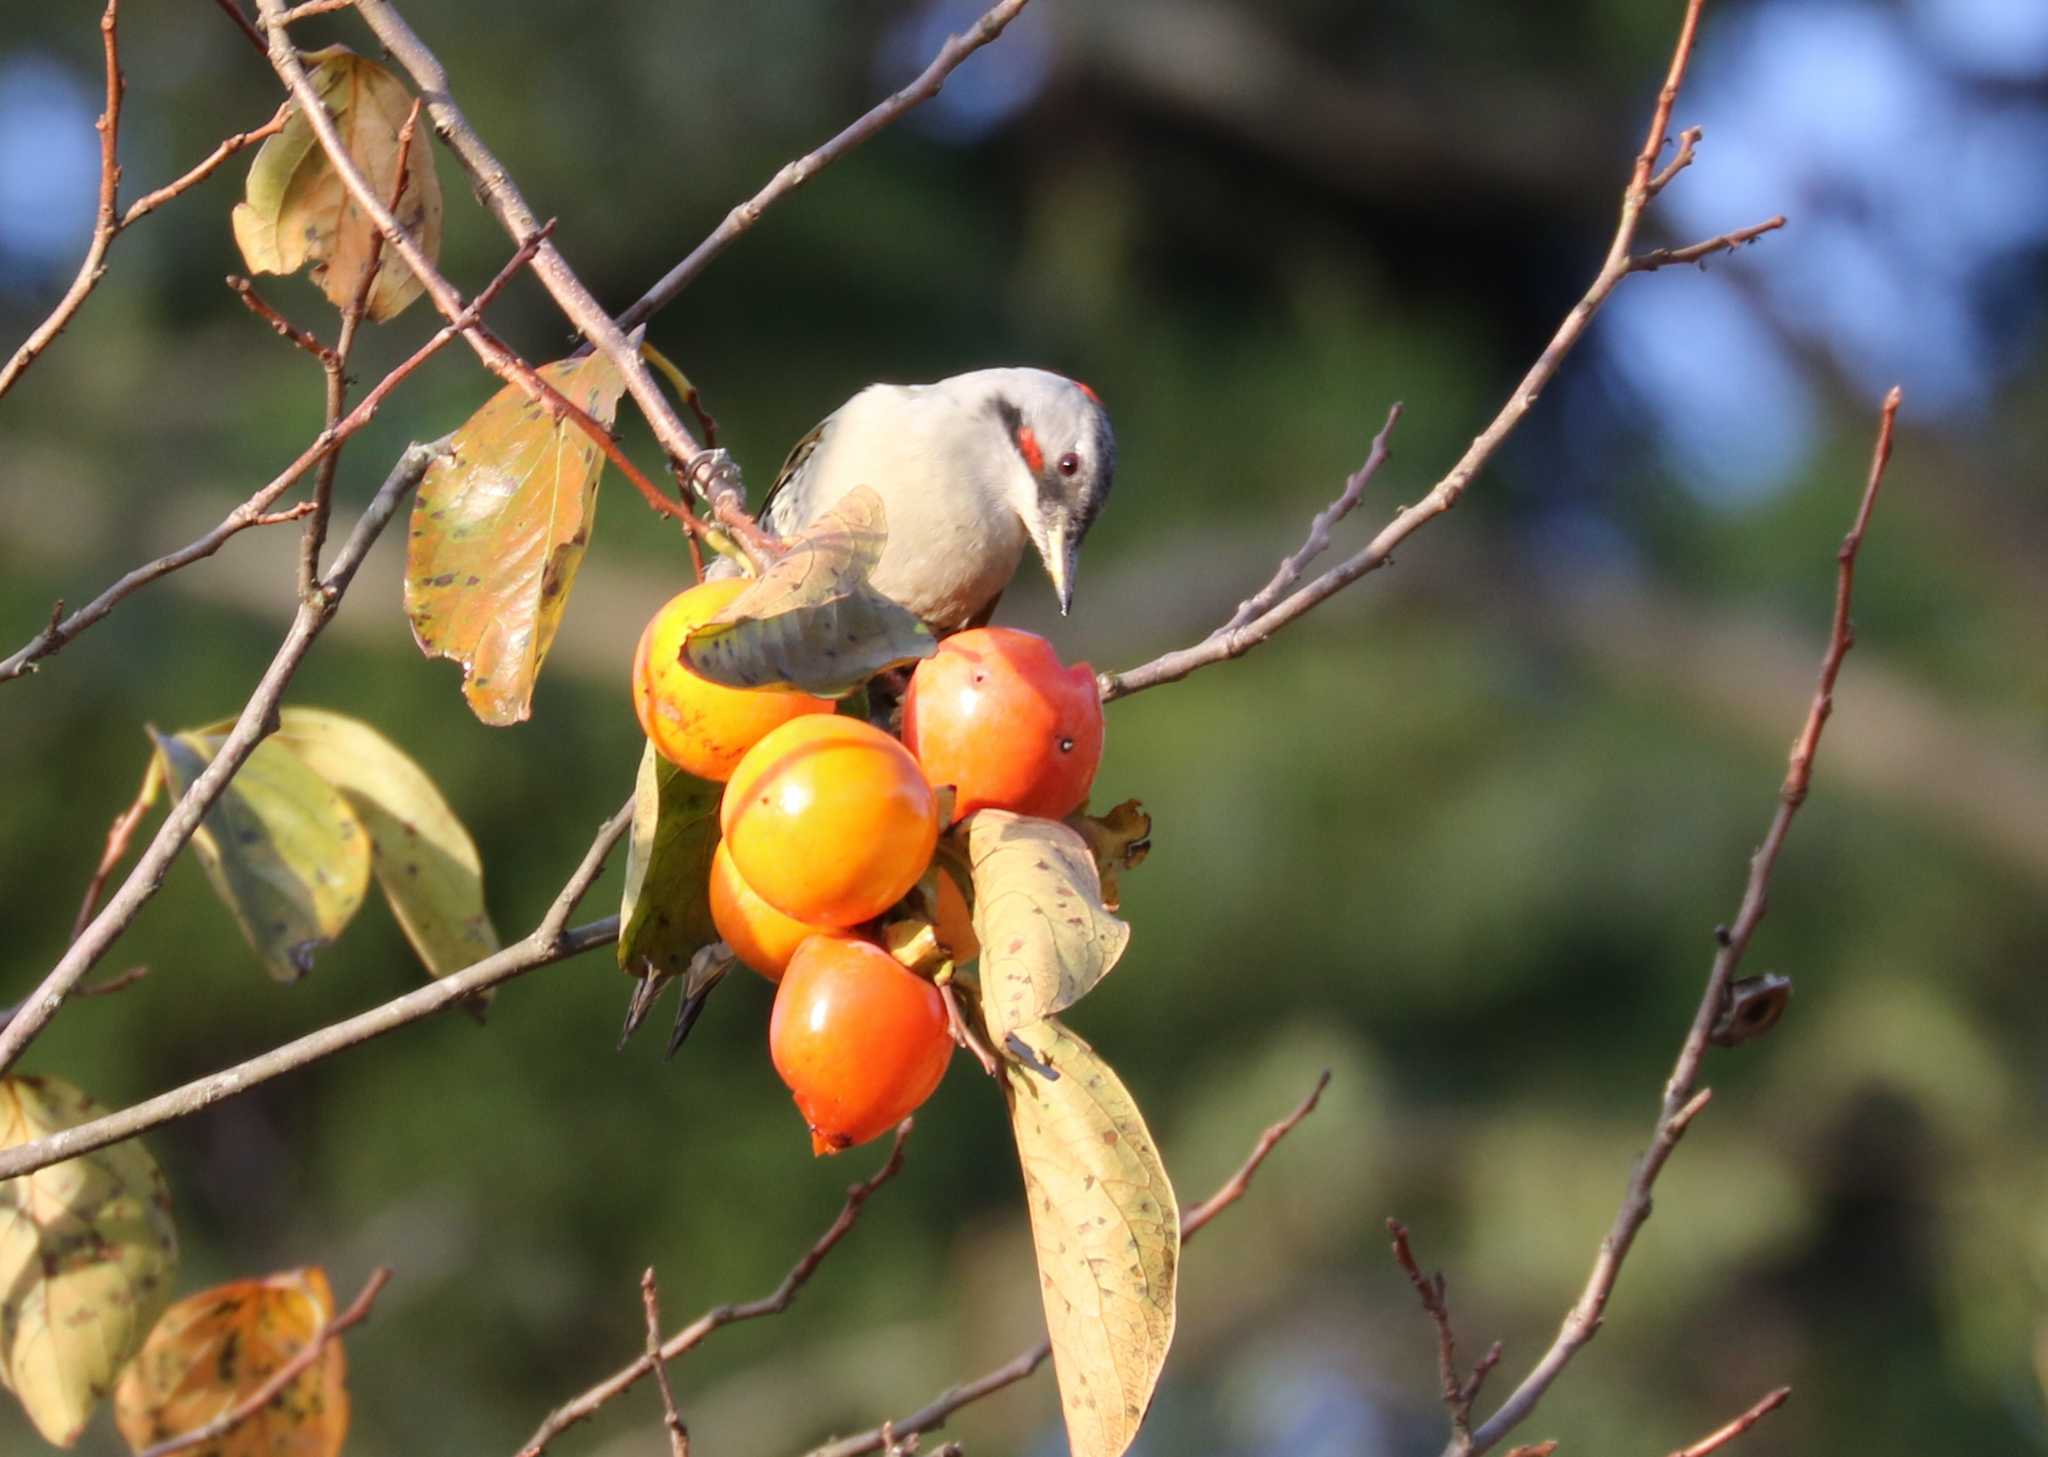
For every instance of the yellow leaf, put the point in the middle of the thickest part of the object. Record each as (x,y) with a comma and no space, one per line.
(87,1248)
(212,1350)
(281,846)
(1119,840)
(811,621)
(665,916)
(1045,938)
(425,862)
(499,528)
(296,207)
(1107,1230)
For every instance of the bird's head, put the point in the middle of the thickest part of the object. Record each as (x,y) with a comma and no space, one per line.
(1062,459)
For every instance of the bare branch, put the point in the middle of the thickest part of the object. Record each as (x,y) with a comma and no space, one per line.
(1720,1437)
(1458,1392)
(678,1434)
(935,1413)
(106,223)
(775,1303)
(795,174)
(151,201)
(1240,636)
(119,833)
(252,511)
(358,1311)
(1657,258)
(307,9)
(1683,1098)
(254,302)
(233,10)
(584,876)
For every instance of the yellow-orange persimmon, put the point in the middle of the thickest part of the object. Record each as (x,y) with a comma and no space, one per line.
(995,715)
(860,1040)
(830,820)
(703,726)
(759,935)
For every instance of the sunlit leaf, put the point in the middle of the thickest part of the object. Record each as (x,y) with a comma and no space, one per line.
(87,1248)
(297,208)
(425,862)
(1107,1231)
(665,917)
(1045,938)
(281,846)
(1119,841)
(499,528)
(812,621)
(211,1351)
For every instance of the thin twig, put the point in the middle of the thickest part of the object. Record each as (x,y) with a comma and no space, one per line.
(935,1413)
(1683,1097)
(233,10)
(1657,258)
(254,302)
(120,981)
(274,1385)
(672,1418)
(1720,1437)
(1687,141)
(106,222)
(793,175)
(774,1303)
(584,876)
(307,9)
(119,834)
(963,1031)
(1235,641)
(149,202)
(252,511)
(1458,1392)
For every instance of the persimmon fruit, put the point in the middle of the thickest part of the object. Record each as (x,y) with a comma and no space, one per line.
(860,1040)
(830,820)
(759,935)
(703,726)
(994,714)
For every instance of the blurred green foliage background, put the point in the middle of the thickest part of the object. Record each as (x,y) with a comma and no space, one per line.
(1461,837)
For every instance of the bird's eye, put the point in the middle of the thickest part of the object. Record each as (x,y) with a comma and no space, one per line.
(1070,464)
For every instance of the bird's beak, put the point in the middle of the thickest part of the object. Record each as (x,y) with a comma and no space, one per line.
(1062,558)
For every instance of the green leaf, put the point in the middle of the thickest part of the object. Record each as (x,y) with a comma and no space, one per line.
(297,208)
(499,528)
(87,1248)
(281,846)
(1107,1231)
(425,862)
(811,621)
(665,917)
(1045,938)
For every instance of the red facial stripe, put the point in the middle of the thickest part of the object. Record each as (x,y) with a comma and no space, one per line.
(1027,446)
(1088,392)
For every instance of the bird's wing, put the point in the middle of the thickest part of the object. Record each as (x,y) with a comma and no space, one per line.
(792,467)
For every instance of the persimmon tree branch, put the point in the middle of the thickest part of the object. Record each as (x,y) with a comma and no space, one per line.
(1683,1096)
(795,174)
(254,511)
(1240,635)
(1192,1221)
(1721,1436)
(273,1385)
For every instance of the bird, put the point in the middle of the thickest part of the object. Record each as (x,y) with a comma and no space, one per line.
(970,471)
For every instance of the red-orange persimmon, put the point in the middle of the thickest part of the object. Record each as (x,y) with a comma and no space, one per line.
(860,1040)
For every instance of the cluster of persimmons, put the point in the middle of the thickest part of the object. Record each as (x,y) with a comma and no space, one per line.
(825,879)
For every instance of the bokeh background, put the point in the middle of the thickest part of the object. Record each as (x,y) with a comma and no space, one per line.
(1460,837)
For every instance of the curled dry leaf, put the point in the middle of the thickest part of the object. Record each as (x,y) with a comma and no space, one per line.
(1119,840)
(1107,1231)
(297,208)
(211,1351)
(812,621)
(665,916)
(425,862)
(499,527)
(87,1248)
(1046,939)
(281,846)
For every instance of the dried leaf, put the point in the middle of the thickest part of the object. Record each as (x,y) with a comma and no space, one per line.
(1045,938)
(812,621)
(281,846)
(297,207)
(1107,1230)
(499,528)
(1119,840)
(87,1248)
(425,862)
(212,1350)
(665,917)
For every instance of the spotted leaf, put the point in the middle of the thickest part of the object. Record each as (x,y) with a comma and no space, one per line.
(1045,938)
